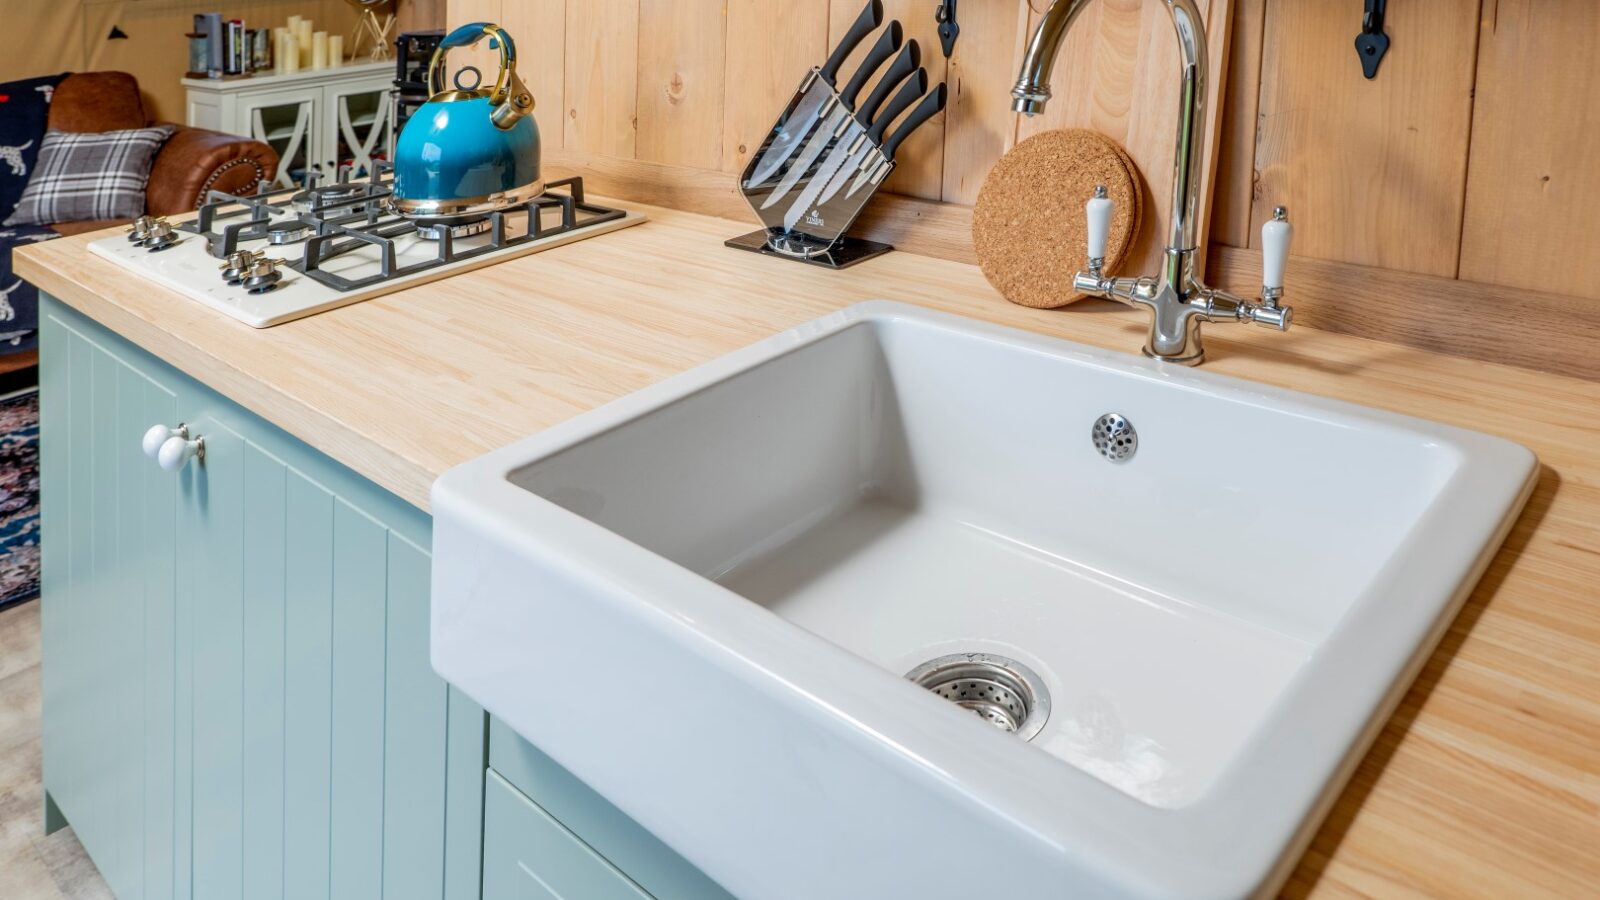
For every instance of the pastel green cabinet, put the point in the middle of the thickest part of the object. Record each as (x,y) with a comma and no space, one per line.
(237,695)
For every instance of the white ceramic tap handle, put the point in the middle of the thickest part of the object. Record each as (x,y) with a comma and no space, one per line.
(158,434)
(1098,210)
(176,452)
(1275,236)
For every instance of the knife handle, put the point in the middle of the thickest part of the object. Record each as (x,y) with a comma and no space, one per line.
(904,64)
(925,110)
(887,44)
(866,23)
(902,101)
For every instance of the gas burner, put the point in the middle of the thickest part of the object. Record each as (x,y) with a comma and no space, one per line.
(287,231)
(238,266)
(429,231)
(264,276)
(316,198)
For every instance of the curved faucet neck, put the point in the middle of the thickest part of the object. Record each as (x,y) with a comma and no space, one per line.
(1032,92)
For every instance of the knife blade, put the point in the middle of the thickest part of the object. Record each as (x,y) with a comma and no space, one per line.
(854,137)
(925,110)
(800,123)
(832,127)
(907,95)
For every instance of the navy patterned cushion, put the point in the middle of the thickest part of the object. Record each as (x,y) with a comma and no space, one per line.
(19,300)
(91,176)
(24,110)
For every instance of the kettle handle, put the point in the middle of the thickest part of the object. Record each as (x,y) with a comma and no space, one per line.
(510,97)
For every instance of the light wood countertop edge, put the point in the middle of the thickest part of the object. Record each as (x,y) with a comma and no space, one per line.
(1485,781)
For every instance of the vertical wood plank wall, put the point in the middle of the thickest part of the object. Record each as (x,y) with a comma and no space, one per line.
(1471,155)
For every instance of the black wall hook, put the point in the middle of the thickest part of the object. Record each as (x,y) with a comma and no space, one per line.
(1372,43)
(949,28)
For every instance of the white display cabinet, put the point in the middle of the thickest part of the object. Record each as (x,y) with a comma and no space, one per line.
(316,119)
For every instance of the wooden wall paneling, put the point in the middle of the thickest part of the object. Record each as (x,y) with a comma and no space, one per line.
(460,12)
(1234,195)
(681,69)
(1373,172)
(602,76)
(540,30)
(1533,183)
(419,15)
(920,172)
(979,124)
(1550,333)
(770,46)
(1117,72)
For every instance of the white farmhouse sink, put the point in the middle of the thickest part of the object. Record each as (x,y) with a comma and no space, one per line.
(702,600)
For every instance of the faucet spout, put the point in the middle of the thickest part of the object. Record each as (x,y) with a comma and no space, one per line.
(1032,93)
(1177,300)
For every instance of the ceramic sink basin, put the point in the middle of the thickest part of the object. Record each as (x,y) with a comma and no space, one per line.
(702,599)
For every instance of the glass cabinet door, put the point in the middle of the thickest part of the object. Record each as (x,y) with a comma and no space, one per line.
(289,122)
(358,124)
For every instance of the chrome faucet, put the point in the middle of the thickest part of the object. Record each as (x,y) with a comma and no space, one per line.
(1177,300)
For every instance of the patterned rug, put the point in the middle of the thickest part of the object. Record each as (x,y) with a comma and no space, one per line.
(19,498)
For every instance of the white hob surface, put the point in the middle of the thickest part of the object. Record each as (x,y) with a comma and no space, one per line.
(189,268)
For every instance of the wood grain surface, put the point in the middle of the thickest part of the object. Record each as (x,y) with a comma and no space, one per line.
(1371,171)
(1534,183)
(1485,783)
(1404,173)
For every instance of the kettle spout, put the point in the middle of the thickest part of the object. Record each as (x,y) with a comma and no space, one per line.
(511,102)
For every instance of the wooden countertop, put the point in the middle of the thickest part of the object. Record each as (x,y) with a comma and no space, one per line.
(1486,781)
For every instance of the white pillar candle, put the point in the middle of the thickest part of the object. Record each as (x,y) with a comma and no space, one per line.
(335,49)
(291,55)
(319,50)
(302,39)
(279,36)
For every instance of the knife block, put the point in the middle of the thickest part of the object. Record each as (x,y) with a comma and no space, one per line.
(818,236)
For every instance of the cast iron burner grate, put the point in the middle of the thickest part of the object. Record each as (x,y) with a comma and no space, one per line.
(334,239)
(340,221)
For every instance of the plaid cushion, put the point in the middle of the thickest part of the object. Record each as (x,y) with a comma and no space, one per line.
(82,177)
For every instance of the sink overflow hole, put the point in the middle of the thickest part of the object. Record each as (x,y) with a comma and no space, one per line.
(999,690)
(1115,438)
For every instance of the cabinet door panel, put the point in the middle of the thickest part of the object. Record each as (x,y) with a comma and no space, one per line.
(265,488)
(239,701)
(212,598)
(414,745)
(308,671)
(109,716)
(360,583)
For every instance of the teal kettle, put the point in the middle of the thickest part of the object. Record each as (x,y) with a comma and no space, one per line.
(468,151)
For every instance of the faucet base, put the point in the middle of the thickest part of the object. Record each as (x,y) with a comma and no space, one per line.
(1193,359)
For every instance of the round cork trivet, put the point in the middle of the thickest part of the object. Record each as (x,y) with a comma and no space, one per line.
(1028,227)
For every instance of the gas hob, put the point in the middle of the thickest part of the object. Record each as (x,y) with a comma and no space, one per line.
(276,256)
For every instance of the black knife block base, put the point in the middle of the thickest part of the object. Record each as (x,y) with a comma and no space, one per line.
(841,254)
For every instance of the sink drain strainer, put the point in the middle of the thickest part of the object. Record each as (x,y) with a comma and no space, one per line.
(1001,691)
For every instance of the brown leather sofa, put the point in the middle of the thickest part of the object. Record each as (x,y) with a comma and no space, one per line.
(190,163)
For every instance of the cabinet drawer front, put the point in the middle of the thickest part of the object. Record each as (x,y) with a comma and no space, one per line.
(527,855)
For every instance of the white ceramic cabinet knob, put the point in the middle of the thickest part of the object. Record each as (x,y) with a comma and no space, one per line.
(1275,236)
(176,452)
(1098,210)
(158,435)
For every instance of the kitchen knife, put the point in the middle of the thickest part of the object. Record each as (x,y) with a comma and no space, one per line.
(907,95)
(853,144)
(799,123)
(831,126)
(904,64)
(925,110)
